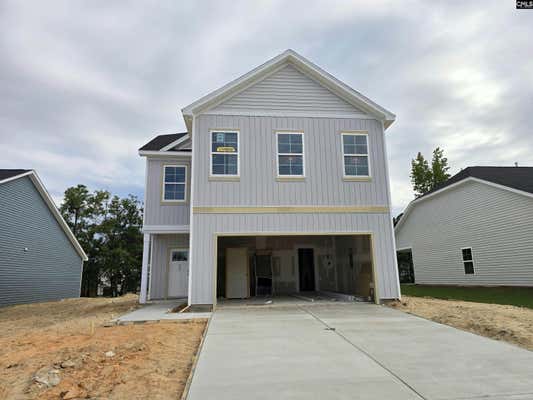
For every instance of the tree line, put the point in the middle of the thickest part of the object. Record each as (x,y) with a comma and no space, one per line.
(109,230)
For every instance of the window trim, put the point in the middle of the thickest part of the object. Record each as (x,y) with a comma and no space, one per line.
(471,260)
(289,177)
(185,198)
(367,155)
(211,152)
(183,249)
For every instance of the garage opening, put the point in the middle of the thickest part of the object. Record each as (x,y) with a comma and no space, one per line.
(268,266)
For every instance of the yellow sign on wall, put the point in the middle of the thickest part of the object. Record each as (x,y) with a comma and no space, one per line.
(226,149)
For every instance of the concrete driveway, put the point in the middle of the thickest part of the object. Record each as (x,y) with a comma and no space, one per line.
(352,351)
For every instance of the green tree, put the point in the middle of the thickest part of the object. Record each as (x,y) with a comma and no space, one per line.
(109,230)
(425,178)
(420,175)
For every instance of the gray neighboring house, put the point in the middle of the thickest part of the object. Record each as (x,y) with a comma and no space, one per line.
(476,229)
(280,185)
(40,259)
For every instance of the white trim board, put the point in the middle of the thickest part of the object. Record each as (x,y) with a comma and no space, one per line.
(413,203)
(306,67)
(165,229)
(175,143)
(53,208)
(144,153)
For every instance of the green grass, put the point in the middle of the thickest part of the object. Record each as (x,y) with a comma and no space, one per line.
(522,297)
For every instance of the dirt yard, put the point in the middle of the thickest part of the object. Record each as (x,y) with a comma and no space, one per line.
(508,323)
(61,350)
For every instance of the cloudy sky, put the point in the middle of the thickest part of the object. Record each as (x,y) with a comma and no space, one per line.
(85,84)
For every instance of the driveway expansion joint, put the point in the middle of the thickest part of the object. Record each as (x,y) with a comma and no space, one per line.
(390,371)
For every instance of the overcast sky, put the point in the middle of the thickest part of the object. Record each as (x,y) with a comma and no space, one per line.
(85,84)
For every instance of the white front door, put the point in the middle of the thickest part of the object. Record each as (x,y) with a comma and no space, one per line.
(237,283)
(178,273)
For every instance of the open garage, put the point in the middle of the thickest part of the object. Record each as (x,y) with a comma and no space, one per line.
(268,266)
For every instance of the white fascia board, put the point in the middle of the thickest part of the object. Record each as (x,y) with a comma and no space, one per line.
(175,143)
(165,229)
(53,208)
(144,153)
(444,189)
(305,66)
(12,178)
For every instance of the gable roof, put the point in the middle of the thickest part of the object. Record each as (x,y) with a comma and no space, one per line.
(515,179)
(305,66)
(161,141)
(519,178)
(7,175)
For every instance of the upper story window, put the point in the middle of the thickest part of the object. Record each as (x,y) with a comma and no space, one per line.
(355,154)
(290,154)
(225,153)
(174,182)
(468,260)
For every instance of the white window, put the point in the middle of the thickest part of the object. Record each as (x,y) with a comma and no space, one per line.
(355,154)
(224,153)
(468,260)
(174,182)
(290,154)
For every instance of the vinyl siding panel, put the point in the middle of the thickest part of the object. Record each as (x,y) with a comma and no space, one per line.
(156,212)
(286,90)
(257,186)
(323,185)
(496,223)
(205,227)
(162,244)
(51,268)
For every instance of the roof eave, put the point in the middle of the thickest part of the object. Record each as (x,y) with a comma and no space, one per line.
(145,153)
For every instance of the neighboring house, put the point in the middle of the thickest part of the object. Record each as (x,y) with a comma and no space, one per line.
(475,229)
(280,185)
(40,259)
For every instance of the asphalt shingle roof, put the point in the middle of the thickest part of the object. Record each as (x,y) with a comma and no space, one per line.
(520,178)
(9,173)
(161,141)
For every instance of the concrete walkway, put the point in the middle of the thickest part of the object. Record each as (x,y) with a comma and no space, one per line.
(373,352)
(159,311)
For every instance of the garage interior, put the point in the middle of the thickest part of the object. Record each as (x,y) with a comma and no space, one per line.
(269,266)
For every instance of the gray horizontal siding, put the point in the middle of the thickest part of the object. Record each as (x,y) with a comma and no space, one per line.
(162,244)
(205,226)
(496,223)
(157,213)
(323,185)
(286,90)
(51,268)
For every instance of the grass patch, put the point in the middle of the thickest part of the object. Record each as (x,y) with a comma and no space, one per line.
(521,297)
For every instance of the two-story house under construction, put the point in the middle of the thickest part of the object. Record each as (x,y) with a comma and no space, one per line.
(280,185)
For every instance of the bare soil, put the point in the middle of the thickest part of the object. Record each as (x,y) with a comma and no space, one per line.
(501,322)
(67,341)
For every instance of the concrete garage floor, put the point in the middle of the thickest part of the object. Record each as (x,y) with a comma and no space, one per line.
(374,352)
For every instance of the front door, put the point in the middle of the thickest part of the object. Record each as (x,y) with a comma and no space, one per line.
(178,273)
(306,267)
(237,282)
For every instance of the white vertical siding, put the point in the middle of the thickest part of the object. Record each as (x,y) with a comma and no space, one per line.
(156,212)
(162,244)
(286,90)
(205,227)
(323,185)
(496,223)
